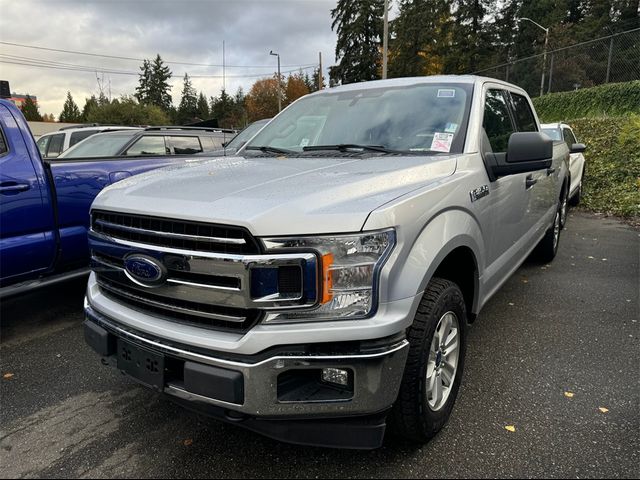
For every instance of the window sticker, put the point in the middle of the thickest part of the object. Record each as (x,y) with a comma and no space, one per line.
(442,142)
(304,142)
(446,93)
(451,127)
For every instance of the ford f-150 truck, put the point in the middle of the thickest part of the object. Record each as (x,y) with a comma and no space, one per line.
(318,286)
(44,207)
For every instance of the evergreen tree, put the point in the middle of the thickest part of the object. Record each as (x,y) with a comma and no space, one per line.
(154,88)
(142,90)
(221,107)
(89,104)
(70,111)
(359,26)
(30,110)
(421,33)
(472,42)
(202,110)
(188,103)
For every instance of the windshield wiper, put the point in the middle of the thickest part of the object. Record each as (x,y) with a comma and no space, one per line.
(343,147)
(270,149)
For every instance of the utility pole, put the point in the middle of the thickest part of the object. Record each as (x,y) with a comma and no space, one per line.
(385,40)
(224,72)
(544,54)
(609,60)
(320,71)
(279,81)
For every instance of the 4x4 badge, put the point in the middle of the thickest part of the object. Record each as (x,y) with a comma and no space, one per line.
(479,192)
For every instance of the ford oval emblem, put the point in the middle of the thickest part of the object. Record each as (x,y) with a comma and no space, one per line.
(144,270)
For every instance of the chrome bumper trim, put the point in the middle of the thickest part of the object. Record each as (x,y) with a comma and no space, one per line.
(377,377)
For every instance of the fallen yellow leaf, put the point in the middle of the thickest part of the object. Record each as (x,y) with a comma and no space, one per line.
(188,442)
(7,376)
(510,428)
(603,409)
(568,394)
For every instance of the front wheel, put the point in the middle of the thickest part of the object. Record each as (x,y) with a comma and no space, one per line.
(435,363)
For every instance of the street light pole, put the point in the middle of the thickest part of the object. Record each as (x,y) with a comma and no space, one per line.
(271,52)
(385,40)
(544,54)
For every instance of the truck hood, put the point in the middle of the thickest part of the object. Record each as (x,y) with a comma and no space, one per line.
(276,196)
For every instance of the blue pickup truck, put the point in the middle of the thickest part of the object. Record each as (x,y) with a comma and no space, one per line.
(44,207)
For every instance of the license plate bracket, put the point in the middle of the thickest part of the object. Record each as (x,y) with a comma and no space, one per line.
(143,365)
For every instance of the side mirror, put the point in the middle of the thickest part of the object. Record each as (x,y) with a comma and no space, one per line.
(526,152)
(578,148)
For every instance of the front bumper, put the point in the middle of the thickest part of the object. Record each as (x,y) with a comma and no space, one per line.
(283,383)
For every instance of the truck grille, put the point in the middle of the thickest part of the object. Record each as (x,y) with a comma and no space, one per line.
(212,276)
(181,311)
(177,234)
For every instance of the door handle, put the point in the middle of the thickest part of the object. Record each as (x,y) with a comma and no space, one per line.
(550,171)
(530,182)
(8,188)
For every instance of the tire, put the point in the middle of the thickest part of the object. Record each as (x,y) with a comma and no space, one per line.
(548,247)
(564,206)
(574,201)
(417,414)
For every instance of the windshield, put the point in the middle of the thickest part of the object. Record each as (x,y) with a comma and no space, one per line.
(100,145)
(553,133)
(240,139)
(417,118)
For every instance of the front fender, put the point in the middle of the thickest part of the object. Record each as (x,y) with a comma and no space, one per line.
(421,251)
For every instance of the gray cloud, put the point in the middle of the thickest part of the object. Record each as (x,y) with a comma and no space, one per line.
(180,30)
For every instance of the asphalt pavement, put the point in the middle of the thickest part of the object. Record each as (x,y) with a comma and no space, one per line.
(556,345)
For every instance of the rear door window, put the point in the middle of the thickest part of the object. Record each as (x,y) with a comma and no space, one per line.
(525,120)
(497,120)
(185,145)
(148,145)
(79,136)
(56,145)
(211,142)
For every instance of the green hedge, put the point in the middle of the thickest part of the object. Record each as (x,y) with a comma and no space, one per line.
(612,180)
(613,99)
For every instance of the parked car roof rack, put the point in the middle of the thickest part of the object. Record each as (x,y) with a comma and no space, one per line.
(200,129)
(86,125)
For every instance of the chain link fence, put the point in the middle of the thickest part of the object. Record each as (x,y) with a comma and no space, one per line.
(615,58)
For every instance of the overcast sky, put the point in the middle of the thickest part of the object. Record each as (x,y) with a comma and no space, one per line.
(189,31)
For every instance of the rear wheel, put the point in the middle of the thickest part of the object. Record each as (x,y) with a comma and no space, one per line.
(574,201)
(548,246)
(564,207)
(435,363)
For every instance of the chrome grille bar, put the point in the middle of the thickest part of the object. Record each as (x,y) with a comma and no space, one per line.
(169,307)
(180,236)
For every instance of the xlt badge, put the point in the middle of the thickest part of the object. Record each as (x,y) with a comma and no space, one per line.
(479,192)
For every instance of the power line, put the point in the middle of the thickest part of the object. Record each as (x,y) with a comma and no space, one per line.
(88,69)
(117,57)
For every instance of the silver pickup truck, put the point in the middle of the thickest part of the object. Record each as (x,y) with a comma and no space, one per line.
(319,285)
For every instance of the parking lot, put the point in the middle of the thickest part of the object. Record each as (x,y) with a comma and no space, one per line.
(553,347)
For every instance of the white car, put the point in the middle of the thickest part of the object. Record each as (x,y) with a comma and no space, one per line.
(52,144)
(563,132)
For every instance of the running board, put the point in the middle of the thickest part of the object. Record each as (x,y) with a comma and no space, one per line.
(29,285)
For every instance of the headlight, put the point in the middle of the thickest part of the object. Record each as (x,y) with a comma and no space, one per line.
(350,267)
